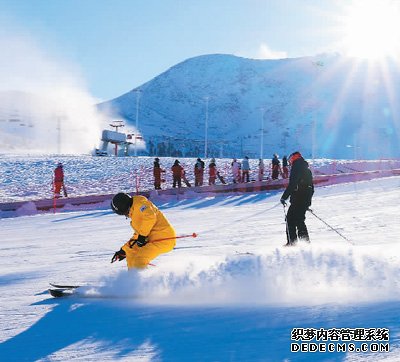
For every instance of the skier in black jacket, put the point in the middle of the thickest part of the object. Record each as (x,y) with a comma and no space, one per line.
(300,189)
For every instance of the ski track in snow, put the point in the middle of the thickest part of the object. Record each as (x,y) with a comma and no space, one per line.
(232,294)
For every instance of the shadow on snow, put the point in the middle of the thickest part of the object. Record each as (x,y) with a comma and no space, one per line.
(122,327)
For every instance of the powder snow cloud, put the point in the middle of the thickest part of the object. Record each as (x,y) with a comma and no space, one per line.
(44,102)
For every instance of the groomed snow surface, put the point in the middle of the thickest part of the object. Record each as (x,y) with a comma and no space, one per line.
(234,293)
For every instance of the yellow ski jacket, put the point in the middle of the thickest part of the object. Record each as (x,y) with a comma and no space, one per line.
(149,221)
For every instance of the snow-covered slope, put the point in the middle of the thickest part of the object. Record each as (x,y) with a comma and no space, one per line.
(232,294)
(333,106)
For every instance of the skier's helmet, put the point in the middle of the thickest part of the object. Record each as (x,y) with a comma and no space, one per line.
(121,203)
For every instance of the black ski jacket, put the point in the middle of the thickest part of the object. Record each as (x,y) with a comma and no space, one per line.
(300,188)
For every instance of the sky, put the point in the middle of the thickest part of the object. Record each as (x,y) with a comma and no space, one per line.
(115,46)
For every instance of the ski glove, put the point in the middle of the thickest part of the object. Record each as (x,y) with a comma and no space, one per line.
(141,241)
(283,202)
(119,255)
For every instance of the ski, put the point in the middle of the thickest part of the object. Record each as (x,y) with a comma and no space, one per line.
(62,292)
(221,178)
(63,286)
(76,292)
(67,290)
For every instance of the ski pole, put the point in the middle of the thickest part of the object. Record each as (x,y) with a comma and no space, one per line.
(54,196)
(332,228)
(132,242)
(287,229)
(64,190)
(193,235)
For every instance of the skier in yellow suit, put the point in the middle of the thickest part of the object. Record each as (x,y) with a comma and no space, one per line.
(149,225)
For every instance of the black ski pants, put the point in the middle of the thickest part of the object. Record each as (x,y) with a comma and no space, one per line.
(177,180)
(296,226)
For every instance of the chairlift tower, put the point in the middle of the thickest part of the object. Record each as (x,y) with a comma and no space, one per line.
(116,125)
(116,138)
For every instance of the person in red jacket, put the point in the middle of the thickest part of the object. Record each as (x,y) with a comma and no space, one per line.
(198,172)
(58,182)
(212,172)
(157,170)
(276,167)
(177,174)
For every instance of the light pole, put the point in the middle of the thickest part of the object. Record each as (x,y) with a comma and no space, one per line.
(138,91)
(58,134)
(355,146)
(262,133)
(206,128)
(314,140)
(59,117)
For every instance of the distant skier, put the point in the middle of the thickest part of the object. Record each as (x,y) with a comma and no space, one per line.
(276,167)
(58,181)
(285,168)
(235,170)
(300,189)
(157,170)
(149,224)
(199,172)
(246,169)
(212,172)
(176,174)
(261,169)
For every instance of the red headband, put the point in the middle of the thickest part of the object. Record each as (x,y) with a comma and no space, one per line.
(294,157)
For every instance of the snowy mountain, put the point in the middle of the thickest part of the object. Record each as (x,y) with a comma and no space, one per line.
(326,106)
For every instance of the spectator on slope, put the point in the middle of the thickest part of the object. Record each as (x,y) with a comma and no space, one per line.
(276,167)
(212,172)
(58,182)
(300,189)
(199,172)
(177,174)
(245,169)
(149,224)
(261,169)
(157,170)
(235,170)
(285,168)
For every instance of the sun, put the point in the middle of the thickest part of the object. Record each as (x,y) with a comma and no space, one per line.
(371,29)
